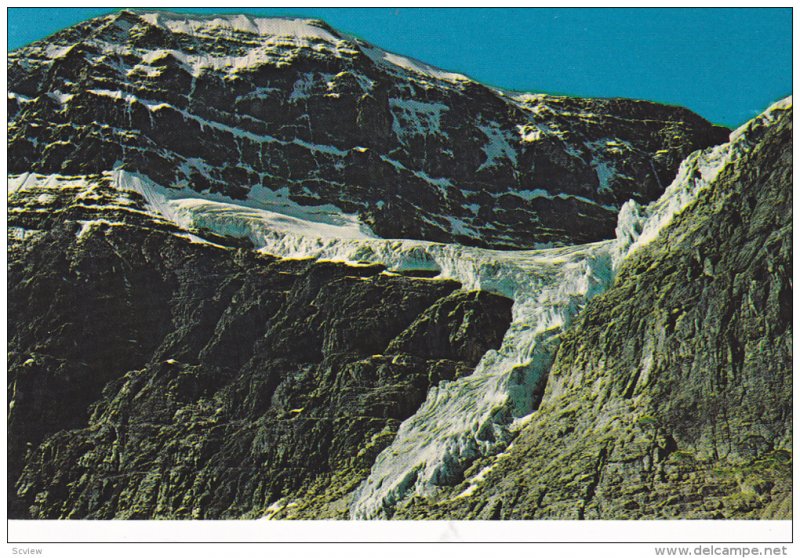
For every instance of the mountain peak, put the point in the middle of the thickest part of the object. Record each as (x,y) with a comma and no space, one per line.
(202,25)
(231,103)
(303,31)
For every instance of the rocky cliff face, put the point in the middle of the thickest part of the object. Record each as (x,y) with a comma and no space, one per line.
(153,377)
(229,103)
(227,298)
(671,397)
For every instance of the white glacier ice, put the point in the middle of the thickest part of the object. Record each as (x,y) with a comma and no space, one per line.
(639,225)
(476,415)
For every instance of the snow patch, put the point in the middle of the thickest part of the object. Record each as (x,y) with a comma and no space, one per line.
(363,81)
(272,40)
(603,152)
(460,228)
(301,30)
(307,84)
(153,106)
(539,193)
(18,97)
(46,199)
(393,61)
(57,51)
(22,234)
(416,118)
(30,182)
(59,97)
(441,183)
(497,147)
(87,226)
(529,133)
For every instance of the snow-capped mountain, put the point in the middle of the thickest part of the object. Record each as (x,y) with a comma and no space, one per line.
(232,104)
(259,268)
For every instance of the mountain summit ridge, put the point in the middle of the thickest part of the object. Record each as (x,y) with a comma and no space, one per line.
(413,151)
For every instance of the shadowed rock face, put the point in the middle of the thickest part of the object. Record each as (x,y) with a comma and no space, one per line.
(153,377)
(225,104)
(671,397)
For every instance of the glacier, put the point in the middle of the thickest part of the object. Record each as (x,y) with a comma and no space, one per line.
(473,416)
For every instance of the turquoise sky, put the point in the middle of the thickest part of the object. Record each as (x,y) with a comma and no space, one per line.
(725,64)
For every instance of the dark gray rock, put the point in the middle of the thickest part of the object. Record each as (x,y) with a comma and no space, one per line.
(671,397)
(153,377)
(415,154)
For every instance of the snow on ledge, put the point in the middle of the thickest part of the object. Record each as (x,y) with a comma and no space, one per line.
(198,25)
